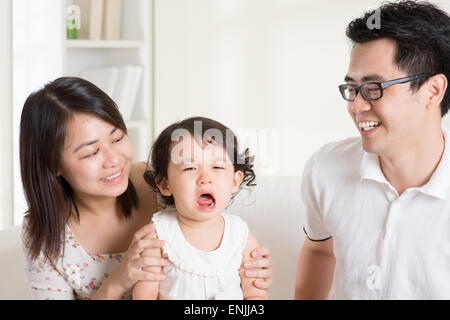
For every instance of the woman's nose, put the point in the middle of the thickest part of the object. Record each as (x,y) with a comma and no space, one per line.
(111,158)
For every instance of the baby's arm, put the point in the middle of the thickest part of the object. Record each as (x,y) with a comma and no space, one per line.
(148,290)
(249,290)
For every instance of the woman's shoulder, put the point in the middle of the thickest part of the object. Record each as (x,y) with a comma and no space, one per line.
(137,172)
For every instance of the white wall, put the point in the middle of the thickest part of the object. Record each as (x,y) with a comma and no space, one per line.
(258,64)
(251,64)
(6,195)
(37,59)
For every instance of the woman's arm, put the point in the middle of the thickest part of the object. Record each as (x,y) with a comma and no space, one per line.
(249,290)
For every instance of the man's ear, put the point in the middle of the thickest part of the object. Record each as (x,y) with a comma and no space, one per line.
(237,180)
(164,187)
(437,85)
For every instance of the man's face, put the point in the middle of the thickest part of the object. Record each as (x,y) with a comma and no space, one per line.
(398,115)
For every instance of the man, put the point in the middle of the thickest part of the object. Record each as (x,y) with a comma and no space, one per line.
(378,206)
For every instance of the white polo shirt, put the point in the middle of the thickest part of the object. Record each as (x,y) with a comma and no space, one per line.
(386,246)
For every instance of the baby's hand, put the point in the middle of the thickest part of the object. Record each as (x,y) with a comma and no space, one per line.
(260,266)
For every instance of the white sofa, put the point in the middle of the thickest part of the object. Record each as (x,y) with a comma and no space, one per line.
(273,210)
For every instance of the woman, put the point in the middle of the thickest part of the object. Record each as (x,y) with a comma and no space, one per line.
(87,228)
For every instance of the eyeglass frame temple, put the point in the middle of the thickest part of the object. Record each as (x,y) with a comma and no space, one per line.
(388,84)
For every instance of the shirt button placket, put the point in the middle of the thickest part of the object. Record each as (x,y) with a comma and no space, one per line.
(391,219)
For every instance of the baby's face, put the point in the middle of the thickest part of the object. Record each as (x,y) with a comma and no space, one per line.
(201,178)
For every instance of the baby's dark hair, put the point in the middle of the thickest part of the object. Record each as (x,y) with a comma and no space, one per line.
(209,131)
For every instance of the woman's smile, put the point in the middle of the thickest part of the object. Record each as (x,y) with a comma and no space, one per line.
(115,178)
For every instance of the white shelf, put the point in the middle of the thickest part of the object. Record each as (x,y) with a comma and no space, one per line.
(134,48)
(104,44)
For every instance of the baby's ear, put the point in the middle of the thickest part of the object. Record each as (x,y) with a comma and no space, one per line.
(237,180)
(164,187)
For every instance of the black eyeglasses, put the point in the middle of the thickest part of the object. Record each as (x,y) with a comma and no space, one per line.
(371,91)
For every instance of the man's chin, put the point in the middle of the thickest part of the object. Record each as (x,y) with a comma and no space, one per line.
(370,146)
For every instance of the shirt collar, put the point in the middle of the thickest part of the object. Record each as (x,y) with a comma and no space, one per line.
(370,168)
(439,183)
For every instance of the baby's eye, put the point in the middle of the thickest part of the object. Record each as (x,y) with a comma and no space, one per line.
(189,169)
(218,167)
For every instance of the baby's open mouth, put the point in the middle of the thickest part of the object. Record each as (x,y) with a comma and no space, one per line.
(206,202)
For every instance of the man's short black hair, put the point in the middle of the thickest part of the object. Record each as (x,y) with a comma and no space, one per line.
(422,34)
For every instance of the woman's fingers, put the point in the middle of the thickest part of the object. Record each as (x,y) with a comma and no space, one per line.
(260,267)
(142,232)
(258,263)
(146,262)
(142,240)
(150,276)
(260,252)
(263,283)
(264,274)
(144,244)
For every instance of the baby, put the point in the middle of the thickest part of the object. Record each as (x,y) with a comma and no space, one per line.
(196,169)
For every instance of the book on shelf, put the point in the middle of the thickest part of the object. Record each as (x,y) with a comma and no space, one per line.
(104,78)
(100,19)
(112,19)
(96,20)
(121,83)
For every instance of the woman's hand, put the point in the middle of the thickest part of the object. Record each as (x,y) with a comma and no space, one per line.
(131,269)
(260,266)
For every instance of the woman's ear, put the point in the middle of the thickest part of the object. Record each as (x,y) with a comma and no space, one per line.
(164,187)
(237,180)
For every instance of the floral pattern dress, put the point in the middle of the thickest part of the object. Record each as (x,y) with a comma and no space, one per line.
(75,275)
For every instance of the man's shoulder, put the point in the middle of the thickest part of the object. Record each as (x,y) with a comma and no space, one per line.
(346,149)
(336,157)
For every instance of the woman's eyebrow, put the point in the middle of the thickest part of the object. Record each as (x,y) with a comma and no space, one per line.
(85,144)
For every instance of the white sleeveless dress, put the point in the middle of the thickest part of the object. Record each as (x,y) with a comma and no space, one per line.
(196,274)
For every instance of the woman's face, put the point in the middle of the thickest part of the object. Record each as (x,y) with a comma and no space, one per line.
(96,158)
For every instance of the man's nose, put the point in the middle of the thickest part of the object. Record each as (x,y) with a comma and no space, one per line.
(360,104)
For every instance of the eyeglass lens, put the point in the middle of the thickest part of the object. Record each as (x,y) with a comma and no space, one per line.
(370,91)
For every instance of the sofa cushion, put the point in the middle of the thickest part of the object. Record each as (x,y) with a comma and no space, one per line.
(274,212)
(13,280)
